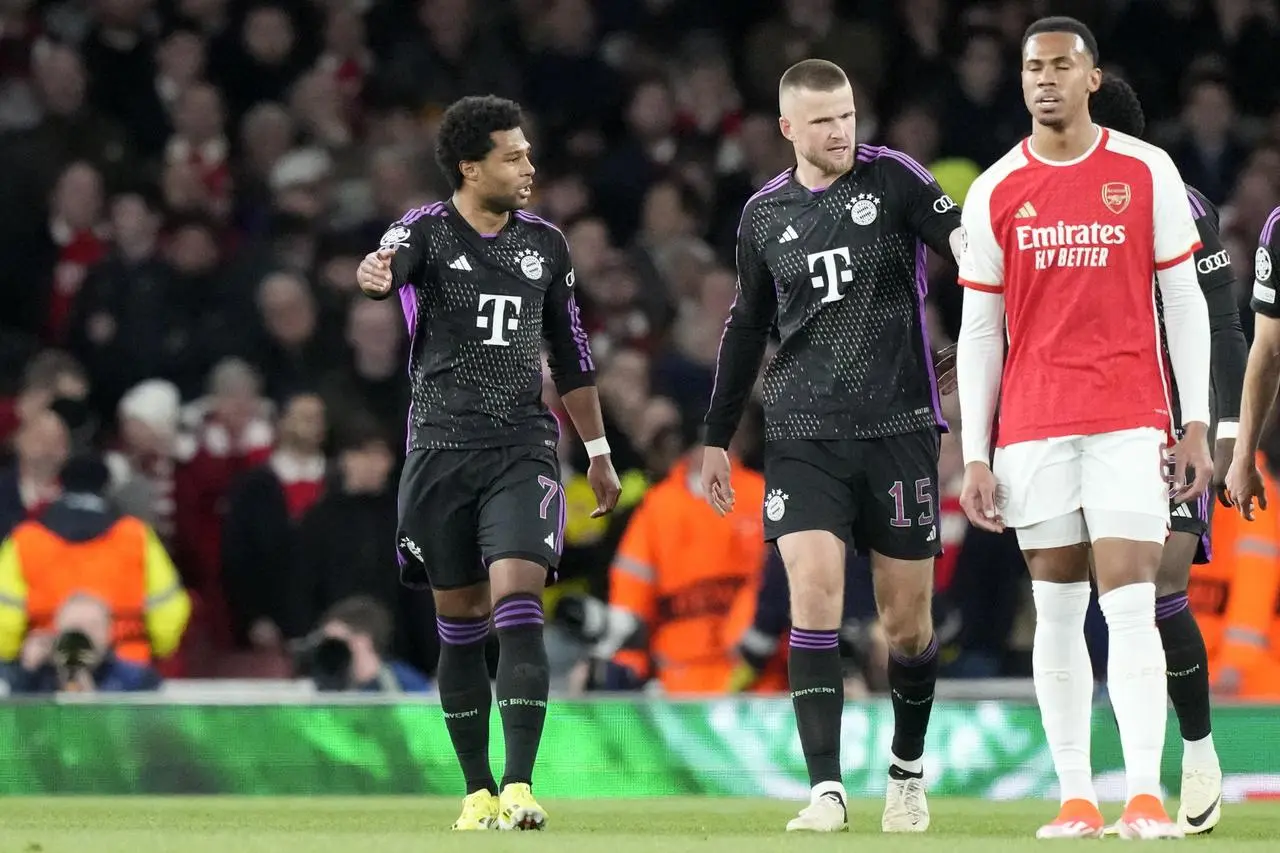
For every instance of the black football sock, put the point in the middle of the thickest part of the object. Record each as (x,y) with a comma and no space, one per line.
(911,684)
(524,680)
(465,697)
(817,694)
(1187,665)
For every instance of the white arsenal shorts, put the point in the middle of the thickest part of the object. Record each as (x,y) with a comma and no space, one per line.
(1082,488)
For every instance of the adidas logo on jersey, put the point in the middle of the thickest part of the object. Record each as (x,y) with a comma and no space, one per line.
(789,235)
(460,263)
(1025,212)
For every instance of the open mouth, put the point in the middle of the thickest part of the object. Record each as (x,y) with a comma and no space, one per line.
(838,150)
(525,192)
(1048,101)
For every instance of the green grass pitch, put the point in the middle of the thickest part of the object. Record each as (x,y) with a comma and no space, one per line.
(408,825)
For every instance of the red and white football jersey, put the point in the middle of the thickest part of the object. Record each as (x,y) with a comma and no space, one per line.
(1073,247)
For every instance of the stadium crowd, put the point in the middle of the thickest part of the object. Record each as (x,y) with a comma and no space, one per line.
(190,185)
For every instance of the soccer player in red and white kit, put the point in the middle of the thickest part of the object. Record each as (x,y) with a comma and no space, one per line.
(1068,236)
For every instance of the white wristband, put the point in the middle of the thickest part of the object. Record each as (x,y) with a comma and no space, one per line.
(1228,429)
(597,447)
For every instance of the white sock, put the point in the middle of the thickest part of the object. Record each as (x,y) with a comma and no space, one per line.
(823,788)
(1136,682)
(916,766)
(1199,754)
(1064,682)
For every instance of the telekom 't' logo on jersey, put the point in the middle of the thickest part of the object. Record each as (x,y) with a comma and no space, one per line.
(503,316)
(1069,245)
(832,273)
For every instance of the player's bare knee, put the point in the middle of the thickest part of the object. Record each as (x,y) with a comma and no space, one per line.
(1068,564)
(815,573)
(904,597)
(514,576)
(1175,564)
(1123,562)
(468,602)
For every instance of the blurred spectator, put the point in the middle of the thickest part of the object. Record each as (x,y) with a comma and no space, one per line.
(984,93)
(264,509)
(373,382)
(81,544)
(805,28)
(142,465)
(346,546)
(28,488)
(572,90)
(49,376)
(293,352)
(42,271)
(264,62)
(648,148)
(448,51)
(145,315)
(223,435)
(198,148)
(69,131)
(351,652)
(78,655)
(1207,150)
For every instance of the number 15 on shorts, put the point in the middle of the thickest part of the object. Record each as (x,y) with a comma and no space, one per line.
(921,505)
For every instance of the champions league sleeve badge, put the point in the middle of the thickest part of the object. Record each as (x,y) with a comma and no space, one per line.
(397,237)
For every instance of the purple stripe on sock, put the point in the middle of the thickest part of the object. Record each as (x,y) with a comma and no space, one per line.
(1171,605)
(461,633)
(515,612)
(517,622)
(813,640)
(462,638)
(930,652)
(520,611)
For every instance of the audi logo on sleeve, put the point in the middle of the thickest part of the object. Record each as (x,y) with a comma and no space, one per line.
(1217,261)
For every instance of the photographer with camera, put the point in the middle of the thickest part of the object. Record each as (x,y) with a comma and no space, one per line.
(347,653)
(77,656)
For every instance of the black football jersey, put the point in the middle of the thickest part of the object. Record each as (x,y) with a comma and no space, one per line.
(478,309)
(1264,272)
(842,274)
(1230,351)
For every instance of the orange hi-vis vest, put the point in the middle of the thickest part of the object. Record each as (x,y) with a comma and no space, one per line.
(111,566)
(690,576)
(1236,599)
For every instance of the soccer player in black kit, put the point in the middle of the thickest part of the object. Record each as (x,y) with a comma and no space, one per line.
(833,252)
(481,508)
(1116,105)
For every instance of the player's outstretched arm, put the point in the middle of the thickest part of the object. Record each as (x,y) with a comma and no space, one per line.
(398,258)
(742,346)
(574,372)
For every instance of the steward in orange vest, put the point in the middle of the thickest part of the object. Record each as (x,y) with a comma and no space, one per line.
(82,545)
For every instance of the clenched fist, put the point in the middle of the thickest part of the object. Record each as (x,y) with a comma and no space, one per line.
(374,274)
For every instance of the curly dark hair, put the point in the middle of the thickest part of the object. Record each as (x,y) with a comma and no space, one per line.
(1116,105)
(465,131)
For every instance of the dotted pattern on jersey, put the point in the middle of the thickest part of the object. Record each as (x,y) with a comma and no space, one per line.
(467,393)
(850,368)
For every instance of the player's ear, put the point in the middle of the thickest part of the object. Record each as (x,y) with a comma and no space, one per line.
(785,127)
(470,170)
(1095,80)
